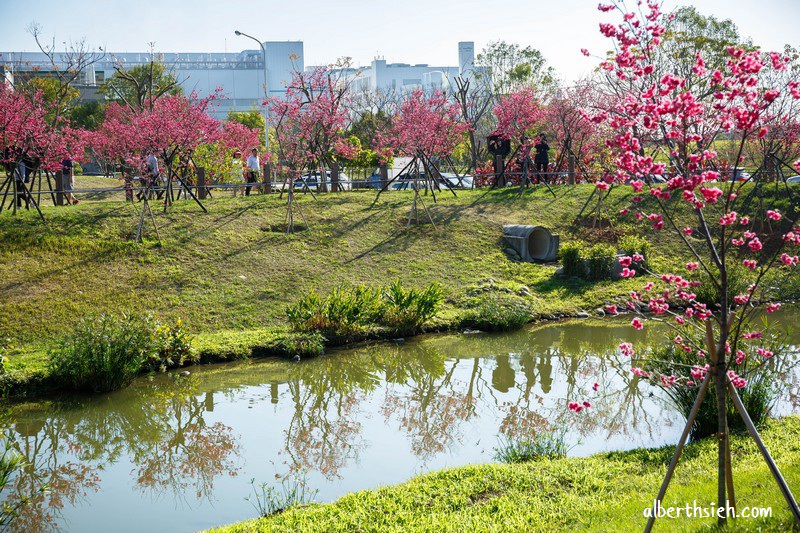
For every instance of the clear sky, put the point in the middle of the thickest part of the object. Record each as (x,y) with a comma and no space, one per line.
(402,31)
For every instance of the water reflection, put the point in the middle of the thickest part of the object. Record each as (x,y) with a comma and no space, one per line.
(168,451)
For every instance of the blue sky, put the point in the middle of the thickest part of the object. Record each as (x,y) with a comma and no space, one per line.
(407,31)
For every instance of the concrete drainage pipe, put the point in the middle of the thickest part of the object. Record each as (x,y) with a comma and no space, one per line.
(532,243)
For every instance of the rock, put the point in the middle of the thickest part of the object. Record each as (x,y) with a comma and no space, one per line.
(296,358)
(185,373)
(582,314)
(600,311)
(490,281)
(559,271)
(523,291)
(469,331)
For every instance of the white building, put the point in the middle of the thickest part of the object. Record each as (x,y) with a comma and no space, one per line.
(404,77)
(240,75)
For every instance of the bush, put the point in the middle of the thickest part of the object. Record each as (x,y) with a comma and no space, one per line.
(404,311)
(105,352)
(348,313)
(517,450)
(572,258)
(174,347)
(497,315)
(633,244)
(342,315)
(599,262)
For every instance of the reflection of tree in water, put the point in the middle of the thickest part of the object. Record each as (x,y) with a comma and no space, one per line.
(432,406)
(43,442)
(164,434)
(183,450)
(324,431)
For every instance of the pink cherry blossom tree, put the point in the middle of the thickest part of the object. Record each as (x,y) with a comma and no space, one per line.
(426,128)
(661,112)
(310,120)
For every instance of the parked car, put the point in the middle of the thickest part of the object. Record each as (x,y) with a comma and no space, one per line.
(405,181)
(311,180)
(793,179)
(737,174)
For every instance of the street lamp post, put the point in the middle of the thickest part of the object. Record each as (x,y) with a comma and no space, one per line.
(266,87)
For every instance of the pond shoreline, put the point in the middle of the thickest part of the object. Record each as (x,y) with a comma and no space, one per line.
(268,343)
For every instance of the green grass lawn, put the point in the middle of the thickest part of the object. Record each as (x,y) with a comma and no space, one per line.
(604,493)
(233,269)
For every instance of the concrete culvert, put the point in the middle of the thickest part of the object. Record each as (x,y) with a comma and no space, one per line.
(533,243)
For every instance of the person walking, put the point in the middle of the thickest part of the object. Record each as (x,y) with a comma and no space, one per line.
(542,159)
(253,170)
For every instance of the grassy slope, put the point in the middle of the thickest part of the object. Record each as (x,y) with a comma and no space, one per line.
(228,271)
(605,492)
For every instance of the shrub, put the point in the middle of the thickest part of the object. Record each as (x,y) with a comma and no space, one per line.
(404,311)
(520,449)
(342,315)
(497,315)
(599,261)
(347,313)
(572,258)
(104,352)
(633,244)
(5,346)
(174,347)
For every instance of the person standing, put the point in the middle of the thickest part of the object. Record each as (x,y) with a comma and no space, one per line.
(541,159)
(68,179)
(238,172)
(153,173)
(253,170)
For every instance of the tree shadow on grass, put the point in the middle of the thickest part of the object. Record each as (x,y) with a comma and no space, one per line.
(566,285)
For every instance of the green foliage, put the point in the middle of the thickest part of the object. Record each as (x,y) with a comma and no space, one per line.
(552,444)
(633,244)
(348,313)
(572,258)
(174,345)
(708,292)
(511,67)
(367,125)
(269,500)
(494,314)
(104,352)
(141,84)
(10,462)
(599,260)
(5,346)
(87,115)
(343,314)
(405,310)
(759,396)
(253,119)
(593,263)
(231,345)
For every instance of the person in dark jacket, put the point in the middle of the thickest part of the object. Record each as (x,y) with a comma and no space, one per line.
(541,159)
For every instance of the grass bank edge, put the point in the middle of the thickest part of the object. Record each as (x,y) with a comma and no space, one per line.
(604,492)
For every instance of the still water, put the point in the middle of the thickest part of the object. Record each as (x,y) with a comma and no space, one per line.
(174,453)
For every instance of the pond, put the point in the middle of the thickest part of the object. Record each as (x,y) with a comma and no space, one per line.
(178,453)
